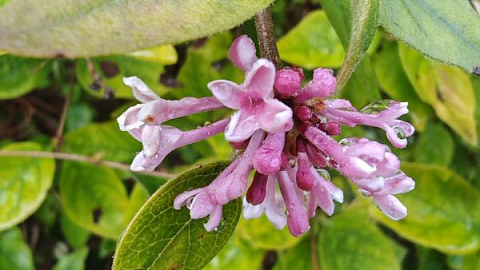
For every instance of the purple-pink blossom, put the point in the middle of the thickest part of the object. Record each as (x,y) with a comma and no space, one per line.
(283,129)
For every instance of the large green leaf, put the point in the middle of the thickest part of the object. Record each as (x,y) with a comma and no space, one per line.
(448,31)
(261,233)
(88,28)
(435,146)
(312,43)
(160,237)
(14,252)
(20,75)
(351,241)
(104,141)
(95,198)
(24,183)
(447,89)
(443,211)
(395,83)
(364,19)
(472,262)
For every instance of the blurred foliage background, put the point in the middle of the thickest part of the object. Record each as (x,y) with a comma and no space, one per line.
(68,212)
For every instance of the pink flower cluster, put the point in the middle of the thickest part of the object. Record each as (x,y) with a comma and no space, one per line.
(284,128)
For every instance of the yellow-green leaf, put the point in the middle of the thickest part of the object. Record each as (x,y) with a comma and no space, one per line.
(442,211)
(24,183)
(447,89)
(90,28)
(312,43)
(14,252)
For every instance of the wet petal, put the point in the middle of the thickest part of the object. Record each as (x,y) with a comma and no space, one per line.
(274,116)
(259,81)
(241,127)
(242,53)
(391,206)
(228,93)
(140,90)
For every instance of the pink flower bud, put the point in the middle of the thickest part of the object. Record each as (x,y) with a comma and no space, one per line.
(287,82)
(258,189)
(333,128)
(303,113)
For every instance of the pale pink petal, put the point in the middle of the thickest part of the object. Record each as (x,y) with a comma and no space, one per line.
(202,205)
(214,219)
(151,140)
(129,119)
(140,90)
(274,116)
(391,206)
(259,81)
(183,199)
(241,127)
(228,93)
(242,53)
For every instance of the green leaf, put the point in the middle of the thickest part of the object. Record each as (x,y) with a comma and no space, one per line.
(394,82)
(351,241)
(24,183)
(160,237)
(435,146)
(296,257)
(237,255)
(472,262)
(430,259)
(89,28)
(364,26)
(362,88)
(19,75)
(261,233)
(76,235)
(149,182)
(95,198)
(447,89)
(14,252)
(73,261)
(443,211)
(104,141)
(448,31)
(112,69)
(312,43)
(165,54)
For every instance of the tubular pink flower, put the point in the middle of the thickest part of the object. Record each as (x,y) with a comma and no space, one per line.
(229,185)
(322,195)
(268,158)
(397,130)
(296,215)
(322,85)
(273,206)
(304,177)
(159,141)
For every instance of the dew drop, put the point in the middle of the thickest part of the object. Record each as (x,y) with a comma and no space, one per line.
(376,107)
(400,133)
(364,193)
(221,226)
(324,173)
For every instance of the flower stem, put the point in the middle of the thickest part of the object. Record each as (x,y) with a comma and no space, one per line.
(266,37)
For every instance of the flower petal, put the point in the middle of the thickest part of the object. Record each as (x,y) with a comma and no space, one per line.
(140,90)
(259,81)
(242,53)
(228,93)
(241,127)
(391,206)
(274,116)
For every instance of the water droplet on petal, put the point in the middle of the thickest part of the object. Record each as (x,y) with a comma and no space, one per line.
(364,193)
(400,133)
(324,174)
(376,107)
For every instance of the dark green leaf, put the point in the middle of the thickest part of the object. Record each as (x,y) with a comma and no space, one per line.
(350,241)
(19,75)
(443,211)
(364,18)
(76,235)
(448,31)
(24,183)
(160,237)
(237,255)
(312,43)
(14,252)
(435,146)
(73,261)
(88,28)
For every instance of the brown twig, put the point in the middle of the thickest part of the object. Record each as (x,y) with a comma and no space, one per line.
(266,37)
(79,158)
(57,140)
